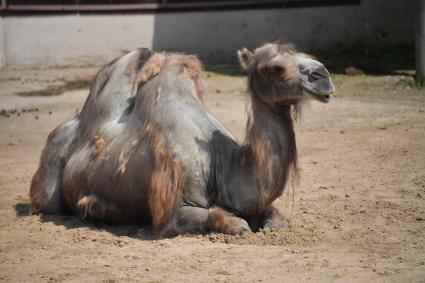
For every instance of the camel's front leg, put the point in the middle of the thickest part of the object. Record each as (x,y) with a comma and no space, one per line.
(272,219)
(190,219)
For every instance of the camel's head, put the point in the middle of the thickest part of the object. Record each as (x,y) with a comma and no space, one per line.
(279,74)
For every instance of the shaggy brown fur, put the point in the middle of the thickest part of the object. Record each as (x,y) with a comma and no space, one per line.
(152,67)
(166,181)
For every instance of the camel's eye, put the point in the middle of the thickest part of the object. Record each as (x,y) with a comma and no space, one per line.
(273,72)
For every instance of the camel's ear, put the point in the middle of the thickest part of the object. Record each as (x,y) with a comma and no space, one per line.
(246,58)
(308,56)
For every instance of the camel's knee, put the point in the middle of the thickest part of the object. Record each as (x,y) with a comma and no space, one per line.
(38,197)
(224,222)
(45,191)
(186,219)
(45,196)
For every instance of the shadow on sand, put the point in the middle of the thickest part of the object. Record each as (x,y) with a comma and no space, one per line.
(136,231)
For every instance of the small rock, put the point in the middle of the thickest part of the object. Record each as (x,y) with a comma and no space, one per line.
(50,112)
(218,91)
(353,71)
(347,196)
(382,128)
(36,117)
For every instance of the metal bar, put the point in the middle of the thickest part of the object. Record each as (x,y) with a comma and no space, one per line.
(158,6)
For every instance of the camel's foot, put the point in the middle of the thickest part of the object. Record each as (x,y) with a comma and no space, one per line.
(94,208)
(273,219)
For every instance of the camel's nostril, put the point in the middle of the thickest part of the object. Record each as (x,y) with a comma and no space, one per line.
(318,75)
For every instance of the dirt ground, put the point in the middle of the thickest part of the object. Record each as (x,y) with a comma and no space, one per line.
(358,212)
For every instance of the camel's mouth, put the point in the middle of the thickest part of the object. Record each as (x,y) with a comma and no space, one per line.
(320,97)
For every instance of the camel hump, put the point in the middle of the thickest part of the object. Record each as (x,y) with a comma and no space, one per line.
(114,84)
(189,65)
(118,82)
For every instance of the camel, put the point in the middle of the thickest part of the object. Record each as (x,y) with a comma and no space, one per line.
(144,148)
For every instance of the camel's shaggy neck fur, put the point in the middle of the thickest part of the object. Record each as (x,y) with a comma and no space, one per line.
(270,137)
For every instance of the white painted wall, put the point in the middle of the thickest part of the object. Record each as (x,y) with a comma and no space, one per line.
(62,40)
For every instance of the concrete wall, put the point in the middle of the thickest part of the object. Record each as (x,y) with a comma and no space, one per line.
(2,45)
(61,40)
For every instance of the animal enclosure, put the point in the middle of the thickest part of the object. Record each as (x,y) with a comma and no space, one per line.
(357,216)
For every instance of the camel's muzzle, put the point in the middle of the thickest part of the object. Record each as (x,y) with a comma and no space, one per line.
(315,79)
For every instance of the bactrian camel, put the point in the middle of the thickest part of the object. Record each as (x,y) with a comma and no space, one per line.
(144,148)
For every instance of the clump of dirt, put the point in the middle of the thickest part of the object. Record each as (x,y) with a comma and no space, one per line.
(9,113)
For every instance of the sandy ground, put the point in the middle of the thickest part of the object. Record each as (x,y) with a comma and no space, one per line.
(358,215)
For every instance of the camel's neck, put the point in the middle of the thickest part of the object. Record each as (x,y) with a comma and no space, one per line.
(271,141)
(252,176)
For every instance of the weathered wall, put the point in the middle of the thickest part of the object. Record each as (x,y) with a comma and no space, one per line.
(218,34)
(60,40)
(2,45)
